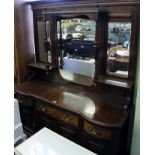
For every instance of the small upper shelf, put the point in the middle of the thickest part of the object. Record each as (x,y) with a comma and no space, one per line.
(115,82)
(41,66)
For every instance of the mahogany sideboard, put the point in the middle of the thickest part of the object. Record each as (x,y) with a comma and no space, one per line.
(82,116)
(98,117)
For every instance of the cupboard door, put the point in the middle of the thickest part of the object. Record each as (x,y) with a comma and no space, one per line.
(26,113)
(27,119)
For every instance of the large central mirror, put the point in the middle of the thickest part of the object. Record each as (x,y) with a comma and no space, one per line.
(77,50)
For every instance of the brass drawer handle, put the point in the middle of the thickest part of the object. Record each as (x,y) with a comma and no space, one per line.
(20,101)
(42,108)
(93,131)
(67,118)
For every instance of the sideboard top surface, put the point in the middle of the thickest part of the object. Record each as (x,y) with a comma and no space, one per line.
(90,105)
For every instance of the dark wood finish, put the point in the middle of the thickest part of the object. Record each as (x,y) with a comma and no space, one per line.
(54,49)
(71,98)
(85,3)
(60,115)
(134,43)
(102,34)
(24,38)
(121,83)
(42,66)
(96,117)
(98,132)
(36,37)
(27,114)
(127,12)
(61,55)
(100,147)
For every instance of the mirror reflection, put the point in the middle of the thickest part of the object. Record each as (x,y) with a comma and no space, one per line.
(83,103)
(77,48)
(119,34)
(44,41)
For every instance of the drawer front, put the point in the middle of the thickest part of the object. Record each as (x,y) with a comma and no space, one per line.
(98,148)
(45,122)
(97,132)
(67,132)
(58,114)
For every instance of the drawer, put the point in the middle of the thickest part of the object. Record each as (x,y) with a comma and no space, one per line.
(98,148)
(45,122)
(67,131)
(58,114)
(97,132)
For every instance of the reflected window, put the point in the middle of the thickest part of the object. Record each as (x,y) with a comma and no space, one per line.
(119,34)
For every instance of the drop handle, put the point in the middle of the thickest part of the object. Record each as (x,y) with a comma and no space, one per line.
(20,101)
(42,108)
(67,118)
(93,131)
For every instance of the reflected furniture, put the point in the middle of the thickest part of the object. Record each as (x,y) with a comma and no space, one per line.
(79,66)
(95,112)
